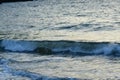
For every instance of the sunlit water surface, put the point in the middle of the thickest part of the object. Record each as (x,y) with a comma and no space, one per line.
(34,66)
(74,20)
(90,20)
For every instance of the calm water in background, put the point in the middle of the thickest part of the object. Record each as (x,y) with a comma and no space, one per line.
(75,20)
(95,20)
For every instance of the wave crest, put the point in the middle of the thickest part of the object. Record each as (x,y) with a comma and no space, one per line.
(61,47)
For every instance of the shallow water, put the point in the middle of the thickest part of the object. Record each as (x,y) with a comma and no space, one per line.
(34,66)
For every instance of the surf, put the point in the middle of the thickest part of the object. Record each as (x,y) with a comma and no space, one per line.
(61,47)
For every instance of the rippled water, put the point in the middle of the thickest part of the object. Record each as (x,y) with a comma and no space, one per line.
(34,66)
(86,30)
(91,20)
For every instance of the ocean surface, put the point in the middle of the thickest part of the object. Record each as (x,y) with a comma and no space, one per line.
(60,40)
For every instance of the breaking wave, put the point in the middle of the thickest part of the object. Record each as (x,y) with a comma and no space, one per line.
(61,47)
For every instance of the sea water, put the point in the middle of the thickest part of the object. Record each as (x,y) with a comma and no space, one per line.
(24,66)
(60,40)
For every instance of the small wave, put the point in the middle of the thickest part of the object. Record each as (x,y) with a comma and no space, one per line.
(61,47)
(75,27)
(13,45)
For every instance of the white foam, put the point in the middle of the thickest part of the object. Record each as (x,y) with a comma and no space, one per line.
(18,45)
(107,49)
